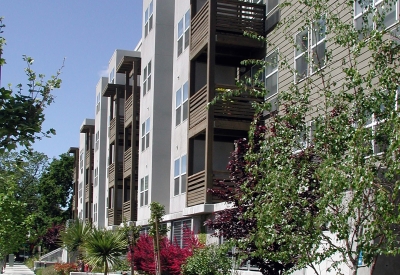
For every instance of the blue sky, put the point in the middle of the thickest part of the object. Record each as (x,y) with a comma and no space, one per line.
(86,33)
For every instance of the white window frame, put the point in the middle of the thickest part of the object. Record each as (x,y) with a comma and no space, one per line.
(274,68)
(147,78)
(95,212)
(375,122)
(180,175)
(145,137)
(96,176)
(81,156)
(148,19)
(111,77)
(359,11)
(97,141)
(182,104)
(183,33)
(80,192)
(304,139)
(177,237)
(144,191)
(98,97)
(307,51)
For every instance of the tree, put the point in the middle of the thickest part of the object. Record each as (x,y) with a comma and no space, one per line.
(157,230)
(131,233)
(55,189)
(74,236)
(21,119)
(232,223)
(21,113)
(209,260)
(322,182)
(104,248)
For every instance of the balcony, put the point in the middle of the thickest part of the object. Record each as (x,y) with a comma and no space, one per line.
(112,171)
(233,18)
(197,187)
(234,114)
(114,217)
(129,108)
(130,214)
(87,192)
(89,158)
(127,162)
(113,127)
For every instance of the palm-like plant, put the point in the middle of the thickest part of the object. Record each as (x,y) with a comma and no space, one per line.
(104,248)
(74,236)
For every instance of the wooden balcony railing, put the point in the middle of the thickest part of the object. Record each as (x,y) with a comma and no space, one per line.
(127,210)
(238,16)
(86,192)
(196,191)
(112,130)
(127,160)
(199,28)
(112,171)
(236,108)
(89,158)
(233,17)
(128,108)
(196,188)
(198,108)
(114,217)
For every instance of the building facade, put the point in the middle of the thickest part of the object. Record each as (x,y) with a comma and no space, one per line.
(154,137)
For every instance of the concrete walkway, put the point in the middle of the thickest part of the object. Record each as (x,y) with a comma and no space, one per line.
(18,269)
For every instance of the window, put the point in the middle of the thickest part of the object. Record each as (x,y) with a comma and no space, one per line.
(97,141)
(145,134)
(183,32)
(111,76)
(180,176)
(98,97)
(364,11)
(181,104)
(147,78)
(379,141)
(271,74)
(95,212)
(148,19)
(80,191)
(305,137)
(81,156)
(96,176)
(178,230)
(310,49)
(144,191)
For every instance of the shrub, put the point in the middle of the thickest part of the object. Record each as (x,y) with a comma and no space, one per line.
(49,270)
(209,260)
(65,268)
(172,255)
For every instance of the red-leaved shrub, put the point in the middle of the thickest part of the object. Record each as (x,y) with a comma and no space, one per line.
(171,254)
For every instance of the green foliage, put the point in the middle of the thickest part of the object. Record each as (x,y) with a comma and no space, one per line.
(339,186)
(74,237)
(13,228)
(49,270)
(104,248)
(210,260)
(157,230)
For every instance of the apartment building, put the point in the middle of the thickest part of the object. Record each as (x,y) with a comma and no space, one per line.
(155,138)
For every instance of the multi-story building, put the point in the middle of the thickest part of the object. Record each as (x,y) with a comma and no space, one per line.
(155,137)
(121,184)
(74,151)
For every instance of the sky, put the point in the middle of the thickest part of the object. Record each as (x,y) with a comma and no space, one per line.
(85,33)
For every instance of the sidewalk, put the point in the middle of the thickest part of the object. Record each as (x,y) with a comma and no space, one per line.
(18,269)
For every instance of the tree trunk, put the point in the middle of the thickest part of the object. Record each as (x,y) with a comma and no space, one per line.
(106,267)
